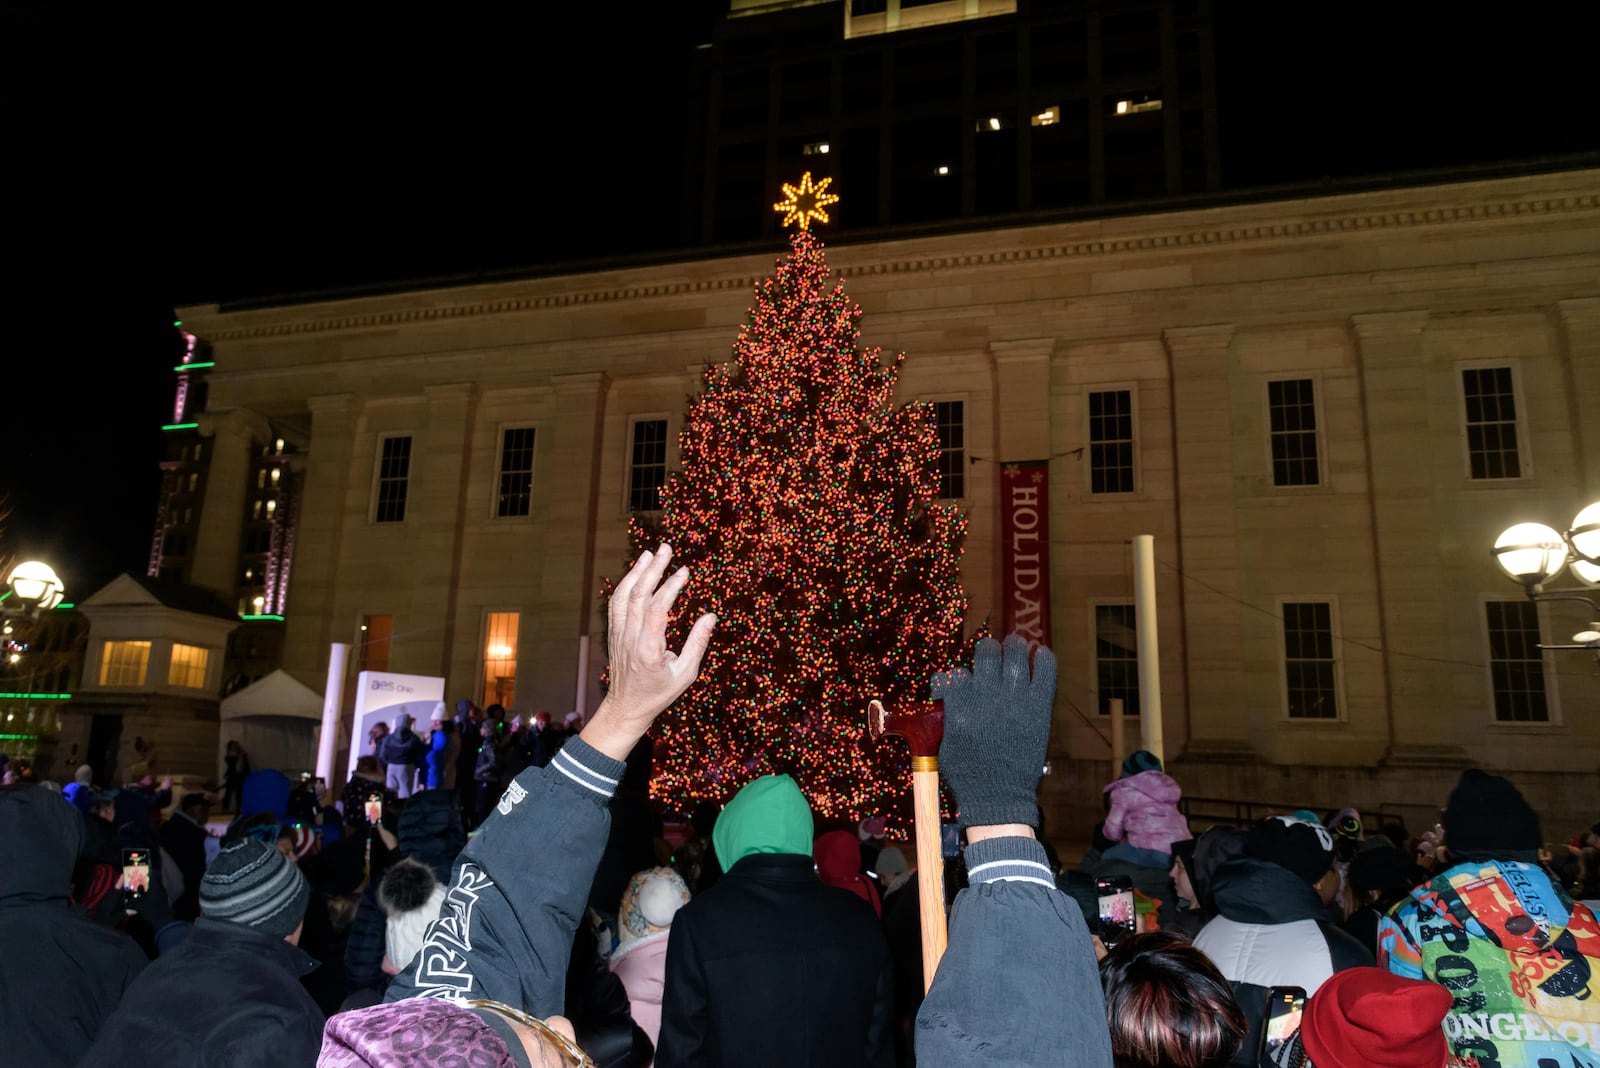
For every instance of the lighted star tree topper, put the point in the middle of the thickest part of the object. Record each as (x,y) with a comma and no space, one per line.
(805,508)
(804,202)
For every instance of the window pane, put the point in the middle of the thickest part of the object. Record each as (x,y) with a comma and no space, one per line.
(124,663)
(188,667)
(1116,653)
(516,472)
(1292,418)
(648,472)
(1516,664)
(394,469)
(1111,443)
(1491,423)
(1309,663)
(500,659)
(949,416)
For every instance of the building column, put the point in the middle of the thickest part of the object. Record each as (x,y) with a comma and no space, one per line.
(217,546)
(569,597)
(440,510)
(1201,370)
(309,617)
(1579,325)
(1406,532)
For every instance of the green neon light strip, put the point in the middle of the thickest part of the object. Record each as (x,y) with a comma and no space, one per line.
(35,697)
(17,737)
(253,619)
(180,426)
(66,604)
(3,596)
(177,322)
(193,366)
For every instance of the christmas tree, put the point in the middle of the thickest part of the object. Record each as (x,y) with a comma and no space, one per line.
(805,508)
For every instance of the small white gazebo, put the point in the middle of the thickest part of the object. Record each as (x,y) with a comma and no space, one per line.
(276,719)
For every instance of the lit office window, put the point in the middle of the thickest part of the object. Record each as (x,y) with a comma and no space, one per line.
(647,469)
(124,663)
(188,668)
(1116,658)
(1310,667)
(516,472)
(394,474)
(500,659)
(1292,410)
(1491,422)
(1516,664)
(1111,441)
(949,417)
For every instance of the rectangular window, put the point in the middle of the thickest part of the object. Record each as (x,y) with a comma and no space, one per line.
(1516,664)
(1111,441)
(500,659)
(1309,664)
(124,663)
(516,472)
(1292,411)
(950,418)
(1116,658)
(188,668)
(1491,421)
(374,651)
(647,467)
(394,473)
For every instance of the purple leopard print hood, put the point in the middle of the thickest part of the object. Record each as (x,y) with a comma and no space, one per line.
(418,1033)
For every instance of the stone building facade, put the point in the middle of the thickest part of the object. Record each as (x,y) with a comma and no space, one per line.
(1323,409)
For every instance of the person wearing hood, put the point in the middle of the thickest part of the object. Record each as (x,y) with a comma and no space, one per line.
(230,995)
(62,973)
(400,752)
(1493,928)
(1195,863)
(1141,826)
(771,966)
(838,859)
(444,750)
(644,923)
(1272,927)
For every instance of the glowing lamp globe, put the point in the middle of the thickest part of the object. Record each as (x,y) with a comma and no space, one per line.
(1585,572)
(36,585)
(1531,553)
(1585,533)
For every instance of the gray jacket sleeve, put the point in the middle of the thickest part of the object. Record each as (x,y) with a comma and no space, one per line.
(1018,984)
(519,888)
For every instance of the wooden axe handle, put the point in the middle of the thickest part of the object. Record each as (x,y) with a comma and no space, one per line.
(930,863)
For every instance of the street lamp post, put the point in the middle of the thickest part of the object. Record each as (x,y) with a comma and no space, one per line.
(35,587)
(1533,555)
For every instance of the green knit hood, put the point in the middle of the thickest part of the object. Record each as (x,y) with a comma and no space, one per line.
(770,815)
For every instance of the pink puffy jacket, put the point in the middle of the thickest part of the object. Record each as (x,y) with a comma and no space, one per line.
(1144,812)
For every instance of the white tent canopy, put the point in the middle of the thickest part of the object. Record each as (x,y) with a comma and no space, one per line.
(275,719)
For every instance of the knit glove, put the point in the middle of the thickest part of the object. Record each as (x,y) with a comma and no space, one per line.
(996,729)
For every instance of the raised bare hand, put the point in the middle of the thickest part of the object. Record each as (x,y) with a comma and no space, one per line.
(646,676)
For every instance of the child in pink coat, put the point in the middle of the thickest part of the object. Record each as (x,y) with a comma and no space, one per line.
(1144,806)
(653,897)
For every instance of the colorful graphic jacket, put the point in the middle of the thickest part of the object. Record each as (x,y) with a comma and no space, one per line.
(1519,956)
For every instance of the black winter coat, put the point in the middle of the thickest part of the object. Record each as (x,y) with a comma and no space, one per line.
(771,967)
(228,997)
(61,973)
(185,841)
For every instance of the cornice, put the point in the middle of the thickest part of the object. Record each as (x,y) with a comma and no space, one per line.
(880,258)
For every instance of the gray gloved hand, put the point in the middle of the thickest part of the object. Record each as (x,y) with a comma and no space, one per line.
(996,730)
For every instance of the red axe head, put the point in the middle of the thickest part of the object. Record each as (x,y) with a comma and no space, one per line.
(920,724)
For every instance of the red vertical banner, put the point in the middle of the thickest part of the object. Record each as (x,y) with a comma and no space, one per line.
(1025,549)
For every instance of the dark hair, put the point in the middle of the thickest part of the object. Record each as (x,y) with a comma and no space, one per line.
(1168,1006)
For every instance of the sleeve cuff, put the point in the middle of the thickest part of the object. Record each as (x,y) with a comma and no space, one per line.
(1008,860)
(588,768)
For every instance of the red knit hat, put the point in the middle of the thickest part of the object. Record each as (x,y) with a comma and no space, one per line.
(1368,1018)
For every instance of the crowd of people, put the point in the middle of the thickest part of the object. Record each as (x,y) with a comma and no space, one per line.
(496,893)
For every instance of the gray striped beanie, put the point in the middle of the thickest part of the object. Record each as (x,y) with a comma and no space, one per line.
(252,884)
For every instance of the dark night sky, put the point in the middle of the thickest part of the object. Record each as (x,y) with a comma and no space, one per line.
(151,165)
